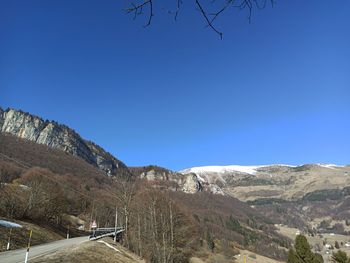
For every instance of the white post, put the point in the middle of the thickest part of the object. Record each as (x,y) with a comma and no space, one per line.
(116,224)
(68,233)
(27,253)
(9,240)
(26,259)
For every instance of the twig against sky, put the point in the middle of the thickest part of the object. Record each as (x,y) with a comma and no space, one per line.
(137,9)
(207,8)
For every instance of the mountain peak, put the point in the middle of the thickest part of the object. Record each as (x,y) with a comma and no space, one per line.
(58,136)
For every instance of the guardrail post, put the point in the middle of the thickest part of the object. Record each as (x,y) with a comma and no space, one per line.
(68,233)
(28,247)
(9,240)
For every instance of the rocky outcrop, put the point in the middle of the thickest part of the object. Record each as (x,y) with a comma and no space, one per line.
(185,182)
(191,184)
(57,136)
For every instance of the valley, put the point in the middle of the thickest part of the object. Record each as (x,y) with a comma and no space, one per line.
(56,179)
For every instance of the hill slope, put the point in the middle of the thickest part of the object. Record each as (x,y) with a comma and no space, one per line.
(81,189)
(57,136)
(286,182)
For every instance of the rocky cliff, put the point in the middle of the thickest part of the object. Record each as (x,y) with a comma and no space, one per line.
(57,136)
(185,182)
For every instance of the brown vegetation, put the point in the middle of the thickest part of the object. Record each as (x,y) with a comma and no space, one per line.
(44,185)
(19,236)
(228,219)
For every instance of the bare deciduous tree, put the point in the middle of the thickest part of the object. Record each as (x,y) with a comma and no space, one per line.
(159,230)
(125,192)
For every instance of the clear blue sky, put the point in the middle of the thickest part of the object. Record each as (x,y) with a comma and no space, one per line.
(273,91)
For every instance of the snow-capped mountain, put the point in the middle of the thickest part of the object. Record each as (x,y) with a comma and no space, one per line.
(251,169)
(279,181)
(248,169)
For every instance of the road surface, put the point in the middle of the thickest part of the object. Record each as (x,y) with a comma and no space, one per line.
(18,255)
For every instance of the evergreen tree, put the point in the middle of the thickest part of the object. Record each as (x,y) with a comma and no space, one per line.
(318,258)
(340,257)
(303,249)
(292,258)
(303,253)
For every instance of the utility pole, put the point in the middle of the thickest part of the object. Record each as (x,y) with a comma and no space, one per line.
(28,247)
(9,240)
(116,224)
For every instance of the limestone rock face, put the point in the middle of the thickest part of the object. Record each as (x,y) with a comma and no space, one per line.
(188,183)
(57,136)
(153,175)
(191,184)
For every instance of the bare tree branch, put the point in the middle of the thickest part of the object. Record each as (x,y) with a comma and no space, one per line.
(215,15)
(203,7)
(179,3)
(207,19)
(137,10)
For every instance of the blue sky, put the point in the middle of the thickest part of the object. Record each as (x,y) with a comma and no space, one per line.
(276,90)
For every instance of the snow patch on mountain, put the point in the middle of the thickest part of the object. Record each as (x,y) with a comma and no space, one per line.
(330,166)
(251,169)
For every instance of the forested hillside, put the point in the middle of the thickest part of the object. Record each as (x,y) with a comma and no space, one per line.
(45,185)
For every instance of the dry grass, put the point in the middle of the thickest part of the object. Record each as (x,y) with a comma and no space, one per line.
(312,179)
(212,258)
(318,240)
(91,252)
(330,238)
(249,257)
(19,237)
(245,256)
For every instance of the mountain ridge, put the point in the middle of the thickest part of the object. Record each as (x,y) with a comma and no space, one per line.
(249,169)
(59,136)
(273,182)
(247,183)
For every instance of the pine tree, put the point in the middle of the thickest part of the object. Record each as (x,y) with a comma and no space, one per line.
(292,258)
(318,258)
(303,249)
(340,257)
(303,253)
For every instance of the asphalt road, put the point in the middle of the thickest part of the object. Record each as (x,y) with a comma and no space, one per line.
(18,255)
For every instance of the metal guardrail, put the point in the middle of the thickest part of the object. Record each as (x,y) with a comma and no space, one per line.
(105,232)
(108,228)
